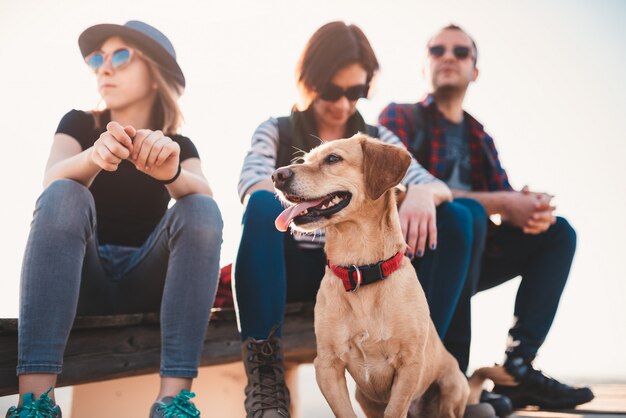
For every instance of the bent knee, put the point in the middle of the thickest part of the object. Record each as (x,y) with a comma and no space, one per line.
(198,204)
(67,192)
(478,214)
(262,205)
(454,221)
(564,231)
(65,205)
(200,213)
(476,208)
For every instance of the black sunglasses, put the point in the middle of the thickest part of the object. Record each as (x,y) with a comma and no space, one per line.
(459,52)
(332,93)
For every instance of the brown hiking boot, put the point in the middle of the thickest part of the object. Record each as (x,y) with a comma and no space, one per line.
(267,395)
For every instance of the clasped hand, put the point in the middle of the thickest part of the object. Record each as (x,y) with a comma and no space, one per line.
(531,211)
(151,152)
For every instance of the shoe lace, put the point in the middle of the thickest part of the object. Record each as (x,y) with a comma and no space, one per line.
(269,389)
(41,408)
(180,407)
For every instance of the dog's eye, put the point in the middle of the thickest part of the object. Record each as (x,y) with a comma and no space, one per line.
(332,158)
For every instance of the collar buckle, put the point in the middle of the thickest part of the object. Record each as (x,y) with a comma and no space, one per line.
(359,278)
(379,270)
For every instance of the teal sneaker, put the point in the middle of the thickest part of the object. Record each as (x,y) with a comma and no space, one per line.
(178,407)
(44,407)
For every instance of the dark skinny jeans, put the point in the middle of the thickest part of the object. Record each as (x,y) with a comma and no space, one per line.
(271,269)
(501,253)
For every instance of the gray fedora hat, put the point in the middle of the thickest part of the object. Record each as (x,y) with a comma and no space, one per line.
(150,40)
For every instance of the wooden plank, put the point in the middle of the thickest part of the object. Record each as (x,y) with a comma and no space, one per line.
(101,348)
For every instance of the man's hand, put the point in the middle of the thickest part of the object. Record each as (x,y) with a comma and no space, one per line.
(540,222)
(418,219)
(530,211)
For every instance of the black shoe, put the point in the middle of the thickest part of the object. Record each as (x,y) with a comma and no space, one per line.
(500,403)
(537,389)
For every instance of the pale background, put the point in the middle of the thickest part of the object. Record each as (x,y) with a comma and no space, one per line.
(551,92)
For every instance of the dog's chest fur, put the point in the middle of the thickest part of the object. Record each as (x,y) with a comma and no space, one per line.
(367,329)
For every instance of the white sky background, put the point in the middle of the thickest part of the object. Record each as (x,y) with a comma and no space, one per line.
(551,92)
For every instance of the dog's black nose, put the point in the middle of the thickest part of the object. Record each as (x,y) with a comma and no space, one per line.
(282,176)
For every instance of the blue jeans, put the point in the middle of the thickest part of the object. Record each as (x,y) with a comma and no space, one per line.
(502,253)
(66,273)
(444,271)
(271,269)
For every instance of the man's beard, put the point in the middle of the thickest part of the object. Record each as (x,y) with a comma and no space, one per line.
(447,92)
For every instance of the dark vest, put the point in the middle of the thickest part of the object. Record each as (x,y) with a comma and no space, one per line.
(287,146)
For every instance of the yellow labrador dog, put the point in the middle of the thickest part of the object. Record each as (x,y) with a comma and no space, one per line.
(371,315)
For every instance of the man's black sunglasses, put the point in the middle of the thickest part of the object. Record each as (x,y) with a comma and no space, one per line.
(332,93)
(460,52)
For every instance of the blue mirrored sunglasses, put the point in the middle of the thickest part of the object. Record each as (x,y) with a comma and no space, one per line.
(119,58)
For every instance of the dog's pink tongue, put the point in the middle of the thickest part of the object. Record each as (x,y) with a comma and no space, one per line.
(285,218)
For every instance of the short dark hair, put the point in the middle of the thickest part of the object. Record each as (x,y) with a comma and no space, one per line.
(331,48)
(452,26)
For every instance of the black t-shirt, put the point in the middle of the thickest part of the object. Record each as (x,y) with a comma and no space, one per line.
(129,203)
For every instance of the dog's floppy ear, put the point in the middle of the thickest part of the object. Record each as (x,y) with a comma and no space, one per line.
(384,166)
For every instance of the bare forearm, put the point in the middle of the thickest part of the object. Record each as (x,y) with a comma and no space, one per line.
(493,202)
(188,183)
(79,167)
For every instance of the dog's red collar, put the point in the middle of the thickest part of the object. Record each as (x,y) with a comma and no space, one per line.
(355,276)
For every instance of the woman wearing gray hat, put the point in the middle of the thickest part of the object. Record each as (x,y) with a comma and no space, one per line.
(103,240)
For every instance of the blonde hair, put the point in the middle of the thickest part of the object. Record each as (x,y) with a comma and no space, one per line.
(165,114)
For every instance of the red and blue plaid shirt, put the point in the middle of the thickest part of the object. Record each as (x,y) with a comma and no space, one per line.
(487,173)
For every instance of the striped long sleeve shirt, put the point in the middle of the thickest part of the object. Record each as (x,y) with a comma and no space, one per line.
(260,161)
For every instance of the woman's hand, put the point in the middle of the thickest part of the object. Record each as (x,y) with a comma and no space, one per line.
(155,154)
(113,146)
(418,219)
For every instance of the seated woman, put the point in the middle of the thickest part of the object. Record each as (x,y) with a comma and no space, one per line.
(103,240)
(334,72)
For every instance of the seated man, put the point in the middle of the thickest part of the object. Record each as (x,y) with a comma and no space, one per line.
(531,242)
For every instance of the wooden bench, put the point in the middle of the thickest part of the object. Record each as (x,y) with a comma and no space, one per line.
(108,347)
